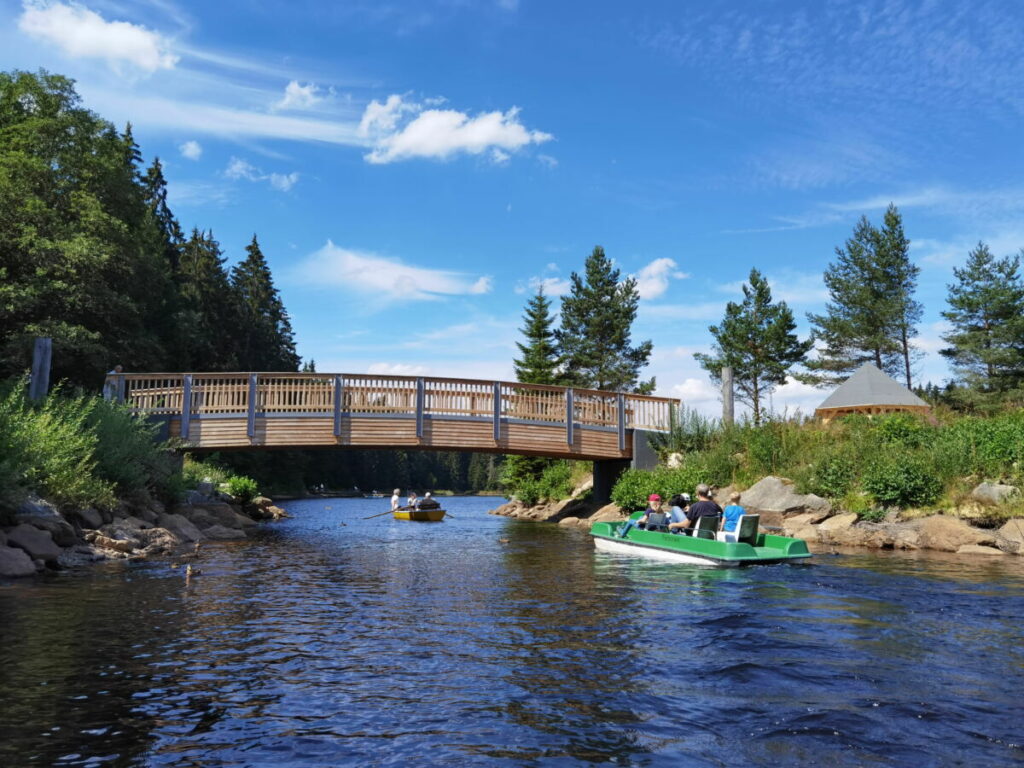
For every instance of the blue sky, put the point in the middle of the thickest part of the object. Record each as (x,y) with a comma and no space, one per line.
(414,170)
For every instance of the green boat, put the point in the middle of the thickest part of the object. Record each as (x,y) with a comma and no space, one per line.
(748,546)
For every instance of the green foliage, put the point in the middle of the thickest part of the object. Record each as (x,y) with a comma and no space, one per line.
(265,340)
(757,340)
(243,489)
(903,429)
(128,453)
(194,472)
(688,431)
(902,480)
(986,311)
(832,477)
(635,485)
(871,315)
(595,335)
(540,360)
(873,515)
(531,480)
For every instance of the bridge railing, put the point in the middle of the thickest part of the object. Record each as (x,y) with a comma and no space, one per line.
(326,394)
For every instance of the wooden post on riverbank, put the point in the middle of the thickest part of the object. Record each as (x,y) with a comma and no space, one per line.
(39,384)
(727,400)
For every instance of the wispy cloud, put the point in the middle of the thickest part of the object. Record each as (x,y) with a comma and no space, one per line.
(297,96)
(242,169)
(550,281)
(191,150)
(385,279)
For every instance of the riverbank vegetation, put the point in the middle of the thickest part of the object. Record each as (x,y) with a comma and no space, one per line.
(862,465)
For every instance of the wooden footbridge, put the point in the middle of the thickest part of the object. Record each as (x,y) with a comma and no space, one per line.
(223,411)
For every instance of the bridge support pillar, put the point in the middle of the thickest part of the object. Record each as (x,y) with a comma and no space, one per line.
(607,472)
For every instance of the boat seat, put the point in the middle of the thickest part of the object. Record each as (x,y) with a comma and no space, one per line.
(706,527)
(657,521)
(746,529)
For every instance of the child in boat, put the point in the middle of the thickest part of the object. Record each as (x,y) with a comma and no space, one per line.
(412,501)
(732,514)
(653,506)
(680,503)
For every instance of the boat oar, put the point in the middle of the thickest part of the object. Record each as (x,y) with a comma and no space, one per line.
(379,514)
(448,514)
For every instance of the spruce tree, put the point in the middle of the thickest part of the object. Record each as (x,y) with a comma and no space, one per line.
(986,310)
(757,339)
(872,315)
(539,361)
(210,317)
(265,340)
(594,339)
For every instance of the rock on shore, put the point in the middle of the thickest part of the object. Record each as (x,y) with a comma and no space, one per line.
(43,537)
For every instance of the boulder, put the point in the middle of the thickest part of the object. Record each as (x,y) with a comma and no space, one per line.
(34,506)
(775,494)
(37,543)
(1011,536)
(149,515)
(978,549)
(992,494)
(3,539)
(225,515)
(156,507)
(948,534)
(608,513)
(88,518)
(585,485)
(568,521)
(276,513)
(221,533)
(125,546)
(180,527)
(158,541)
(15,562)
(262,502)
(60,529)
(674,461)
(839,522)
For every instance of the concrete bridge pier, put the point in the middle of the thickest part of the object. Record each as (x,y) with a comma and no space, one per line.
(608,471)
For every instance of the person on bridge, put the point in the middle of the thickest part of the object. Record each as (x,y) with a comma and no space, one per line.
(395,498)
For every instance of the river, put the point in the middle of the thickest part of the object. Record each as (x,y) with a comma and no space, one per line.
(331,640)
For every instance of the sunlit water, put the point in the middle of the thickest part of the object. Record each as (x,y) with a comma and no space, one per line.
(333,640)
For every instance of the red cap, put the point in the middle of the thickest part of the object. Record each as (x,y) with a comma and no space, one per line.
(654,497)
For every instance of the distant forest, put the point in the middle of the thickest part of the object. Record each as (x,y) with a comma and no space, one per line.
(92,256)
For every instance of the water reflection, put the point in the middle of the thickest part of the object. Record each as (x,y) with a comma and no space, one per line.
(333,640)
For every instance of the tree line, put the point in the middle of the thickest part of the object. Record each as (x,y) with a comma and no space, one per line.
(92,256)
(872,315)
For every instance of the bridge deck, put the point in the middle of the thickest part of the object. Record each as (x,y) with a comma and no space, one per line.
(296,410)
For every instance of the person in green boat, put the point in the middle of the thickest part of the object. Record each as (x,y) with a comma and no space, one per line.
(678,507)
(653,506)
(731,516)
(703,507)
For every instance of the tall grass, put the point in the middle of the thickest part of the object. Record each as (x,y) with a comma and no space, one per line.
(75,450)
(898,460)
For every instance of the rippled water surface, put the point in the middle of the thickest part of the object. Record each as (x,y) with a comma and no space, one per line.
(332,640)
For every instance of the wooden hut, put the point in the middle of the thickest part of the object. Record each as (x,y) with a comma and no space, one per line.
(870,391)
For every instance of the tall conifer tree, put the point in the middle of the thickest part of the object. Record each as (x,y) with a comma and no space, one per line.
(539,361)
(872,315)
(210,316)
(266,341)
(757,339)
(595,335)
(986,310)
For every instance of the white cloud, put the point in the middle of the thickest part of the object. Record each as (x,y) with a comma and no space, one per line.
(283,181)
(401,130)
(242,169)
(297,96)
(191,150)
(652,280)
(552,286)
(547,161)
(500,156)
(397,369)
(383,278)
(81,33)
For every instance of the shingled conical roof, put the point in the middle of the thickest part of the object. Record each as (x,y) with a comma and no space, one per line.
(868,387)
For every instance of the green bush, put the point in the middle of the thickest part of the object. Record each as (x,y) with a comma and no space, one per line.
(902,429)
(635,485)
(243,489)
(832,477)
(902,481)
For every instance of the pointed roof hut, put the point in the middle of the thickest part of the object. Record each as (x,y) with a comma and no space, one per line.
(870,391)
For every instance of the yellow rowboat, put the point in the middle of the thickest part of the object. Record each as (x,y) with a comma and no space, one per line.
(421,515)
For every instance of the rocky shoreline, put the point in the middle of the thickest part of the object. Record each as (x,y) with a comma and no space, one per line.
(815,520)
(39,537)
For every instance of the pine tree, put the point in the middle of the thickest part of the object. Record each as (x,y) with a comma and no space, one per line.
(986,310)
(210,316)
(265,340)
(892,249)
(595,334)
(872,315)
(756,339)
(539,361)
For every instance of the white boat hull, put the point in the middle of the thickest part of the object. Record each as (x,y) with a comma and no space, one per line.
(625,548)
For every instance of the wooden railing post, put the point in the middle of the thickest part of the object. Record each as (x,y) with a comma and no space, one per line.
(120,388)
(186,405)
(339,391)
(251,410)
(570,407)
(621,403)
(419,406)
(497,411)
